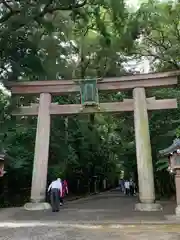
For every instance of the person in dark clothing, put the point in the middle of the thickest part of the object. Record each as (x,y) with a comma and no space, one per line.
(131,187)
(56,189)
(55,199)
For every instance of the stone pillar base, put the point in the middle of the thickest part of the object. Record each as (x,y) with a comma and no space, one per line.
(177,211)
(30,206)
(176,216)
(148,207)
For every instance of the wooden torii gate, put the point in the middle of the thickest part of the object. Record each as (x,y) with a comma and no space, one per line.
(139,104)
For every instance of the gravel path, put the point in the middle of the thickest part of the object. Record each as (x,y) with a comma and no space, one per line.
(105,216)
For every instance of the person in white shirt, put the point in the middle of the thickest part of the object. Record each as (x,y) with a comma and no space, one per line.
(56,189)
(127,186)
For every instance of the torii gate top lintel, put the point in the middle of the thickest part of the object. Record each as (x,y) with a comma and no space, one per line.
(59,87)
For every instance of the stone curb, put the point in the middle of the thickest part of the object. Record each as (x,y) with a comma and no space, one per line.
(144,225)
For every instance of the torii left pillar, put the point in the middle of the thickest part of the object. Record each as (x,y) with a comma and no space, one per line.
(143,153)
(39,176)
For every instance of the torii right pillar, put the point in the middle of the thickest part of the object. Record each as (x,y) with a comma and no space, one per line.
(143,154)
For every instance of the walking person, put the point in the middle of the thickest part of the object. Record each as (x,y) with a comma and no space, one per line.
(64,192)
(126,185)
(135,189)
(131,187)
(55,189)
(121,185)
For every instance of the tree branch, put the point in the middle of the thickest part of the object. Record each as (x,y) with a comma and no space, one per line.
(47,9)
(161,58)
(6,5)
(8,15)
